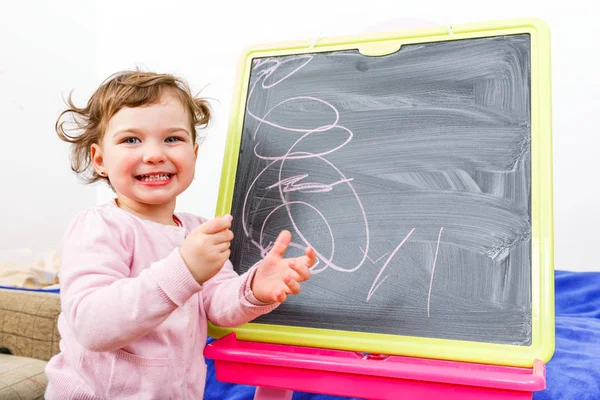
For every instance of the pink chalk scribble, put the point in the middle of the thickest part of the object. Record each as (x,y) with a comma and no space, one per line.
(266,69)
(433,269)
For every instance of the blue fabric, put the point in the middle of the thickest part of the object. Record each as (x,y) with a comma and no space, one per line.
(572,373)
(574,370)
(31,290)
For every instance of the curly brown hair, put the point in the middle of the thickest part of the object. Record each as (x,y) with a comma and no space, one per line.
(128,88)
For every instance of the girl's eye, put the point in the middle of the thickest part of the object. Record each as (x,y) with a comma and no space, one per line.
(131,140)
(173,139)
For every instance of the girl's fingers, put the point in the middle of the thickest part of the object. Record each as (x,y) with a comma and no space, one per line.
(281,244)
(293,285)
(224,236)
(222,247)
(311,257)
(298,265)
(290,287)
(281,297)
(214,225)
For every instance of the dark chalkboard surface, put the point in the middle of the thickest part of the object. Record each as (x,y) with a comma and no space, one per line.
(410,174)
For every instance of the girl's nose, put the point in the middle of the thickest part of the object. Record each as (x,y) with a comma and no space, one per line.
(154,154)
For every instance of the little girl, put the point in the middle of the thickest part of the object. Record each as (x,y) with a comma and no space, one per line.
(138,282)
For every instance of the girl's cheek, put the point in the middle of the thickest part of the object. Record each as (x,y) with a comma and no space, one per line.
(185,156)
(128,161)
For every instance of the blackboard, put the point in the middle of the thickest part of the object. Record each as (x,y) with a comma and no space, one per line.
(409,173)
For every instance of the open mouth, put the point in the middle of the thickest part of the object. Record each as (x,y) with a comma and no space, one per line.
(154,177)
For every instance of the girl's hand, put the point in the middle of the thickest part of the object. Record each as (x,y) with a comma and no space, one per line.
(206,249)
(276,277)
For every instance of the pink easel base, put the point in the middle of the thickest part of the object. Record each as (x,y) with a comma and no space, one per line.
(278,370)
(364,387)
(266,393)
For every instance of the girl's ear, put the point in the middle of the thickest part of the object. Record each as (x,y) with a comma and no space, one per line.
(97,157)
(195,151)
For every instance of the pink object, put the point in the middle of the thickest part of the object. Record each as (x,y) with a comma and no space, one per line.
(280,369)
(133,318)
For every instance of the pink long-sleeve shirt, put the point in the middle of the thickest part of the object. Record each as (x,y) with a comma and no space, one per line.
(134,321)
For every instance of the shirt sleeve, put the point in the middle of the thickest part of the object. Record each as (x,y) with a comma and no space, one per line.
(249,294)
(104,306)
(228,299)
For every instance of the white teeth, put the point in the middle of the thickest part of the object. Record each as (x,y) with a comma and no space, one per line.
(161,177)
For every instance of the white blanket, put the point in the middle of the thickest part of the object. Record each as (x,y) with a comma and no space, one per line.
(22,268)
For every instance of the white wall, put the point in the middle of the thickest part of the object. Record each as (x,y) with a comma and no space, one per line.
(46,49)
(202,40)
